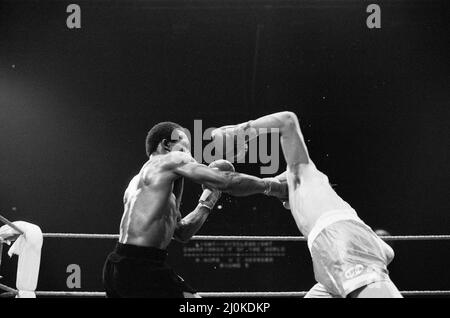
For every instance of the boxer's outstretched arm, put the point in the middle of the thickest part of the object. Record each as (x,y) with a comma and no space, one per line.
(236,184)
(292,141)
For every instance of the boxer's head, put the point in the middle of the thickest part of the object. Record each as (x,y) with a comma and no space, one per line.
(165,137)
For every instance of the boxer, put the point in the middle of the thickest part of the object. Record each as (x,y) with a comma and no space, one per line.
(349,259)
(137,267)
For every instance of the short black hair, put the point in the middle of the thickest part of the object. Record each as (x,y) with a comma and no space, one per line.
(159,132)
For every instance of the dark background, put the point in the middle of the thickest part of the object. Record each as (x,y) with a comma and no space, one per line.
(75,106)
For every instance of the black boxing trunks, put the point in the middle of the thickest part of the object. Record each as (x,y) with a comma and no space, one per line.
(132,271)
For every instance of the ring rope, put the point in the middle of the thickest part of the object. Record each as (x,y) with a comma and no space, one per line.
(7,289)
(219,294)
(238,294)
(247,238)
(224,238)
(10,224)
(234,238)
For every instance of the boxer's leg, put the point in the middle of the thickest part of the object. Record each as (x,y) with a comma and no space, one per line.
(383,289)
(108,279)
(319,291)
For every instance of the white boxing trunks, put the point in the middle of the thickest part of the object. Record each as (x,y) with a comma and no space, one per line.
(346,253)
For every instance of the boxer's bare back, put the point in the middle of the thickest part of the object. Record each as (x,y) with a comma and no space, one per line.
(152,205)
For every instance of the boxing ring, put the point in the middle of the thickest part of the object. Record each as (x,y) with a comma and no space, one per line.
(10,292)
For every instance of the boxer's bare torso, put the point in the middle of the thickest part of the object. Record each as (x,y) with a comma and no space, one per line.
(152,205)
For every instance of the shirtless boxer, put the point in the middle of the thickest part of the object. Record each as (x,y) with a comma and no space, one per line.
(349,259)
(152,217)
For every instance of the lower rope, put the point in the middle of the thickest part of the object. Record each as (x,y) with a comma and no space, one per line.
(237,294)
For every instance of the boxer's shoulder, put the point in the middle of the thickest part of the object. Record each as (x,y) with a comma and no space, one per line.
(175,159)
